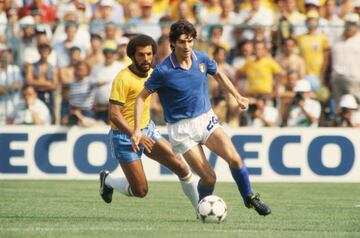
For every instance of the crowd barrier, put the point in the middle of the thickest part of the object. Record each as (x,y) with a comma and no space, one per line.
(271,155)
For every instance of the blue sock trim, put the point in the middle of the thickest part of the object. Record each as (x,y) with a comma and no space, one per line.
(204,191)
(241,177)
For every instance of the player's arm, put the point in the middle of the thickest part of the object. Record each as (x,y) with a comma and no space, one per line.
(139,110)
(118,119)
(223,80)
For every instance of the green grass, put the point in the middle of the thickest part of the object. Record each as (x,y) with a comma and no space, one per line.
(74,209)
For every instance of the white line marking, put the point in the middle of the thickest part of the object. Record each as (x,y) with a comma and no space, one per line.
(357,205)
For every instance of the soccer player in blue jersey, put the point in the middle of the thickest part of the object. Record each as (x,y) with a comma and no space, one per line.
(126,86)
(182,85)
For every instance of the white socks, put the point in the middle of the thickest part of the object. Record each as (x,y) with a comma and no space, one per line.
(189,186)
(119,184)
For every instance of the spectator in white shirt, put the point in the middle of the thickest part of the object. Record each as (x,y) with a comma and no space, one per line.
(304,111)
(257,16)
(345,60)
(348,114)
(31,110)
(103,75)
(262,114)
(11,81)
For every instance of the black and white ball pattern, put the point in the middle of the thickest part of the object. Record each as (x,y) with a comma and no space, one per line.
(212,209)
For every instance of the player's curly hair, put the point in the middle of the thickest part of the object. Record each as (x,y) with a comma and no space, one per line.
(181,27)
(140,40)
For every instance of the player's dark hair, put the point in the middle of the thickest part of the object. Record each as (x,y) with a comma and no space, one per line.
(140,40)
(181,27)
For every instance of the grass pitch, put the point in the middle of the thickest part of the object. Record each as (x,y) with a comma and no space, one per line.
(75,209)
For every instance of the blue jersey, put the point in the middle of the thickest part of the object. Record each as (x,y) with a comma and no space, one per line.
(183,93)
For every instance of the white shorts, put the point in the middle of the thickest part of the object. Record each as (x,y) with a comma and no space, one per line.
(187,133)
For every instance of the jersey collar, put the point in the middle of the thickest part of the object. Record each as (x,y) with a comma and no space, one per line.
(174,61)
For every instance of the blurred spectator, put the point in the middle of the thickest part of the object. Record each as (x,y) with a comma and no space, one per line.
(106,11)
(81,7)
(95,55)
(257,16)
(62,48)
(42,76)
(11,82)
(262,114)
(111,31)
(345,61)
(289,60)
(304,111)
(227,18)
(214,40)
(121,51)
(76,118)
(243,52)
(81,90)
(165,23)
(147,22)
(348,114)
(356,5)
(3,21)
(314,48)
(81,37)
(103,75)
(225,106)
(291,21)
(335,27)
(314,6)
(163,49)
(286,95)
(26,51)
(260,72)
(39,26)
(47,11)
(184,11)
(66,76)
(31,110)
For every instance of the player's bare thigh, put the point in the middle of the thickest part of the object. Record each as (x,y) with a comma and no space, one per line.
(220,143)
(196,158)
(162,153)
(135,175)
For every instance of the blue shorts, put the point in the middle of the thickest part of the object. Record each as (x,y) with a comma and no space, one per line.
(120,144)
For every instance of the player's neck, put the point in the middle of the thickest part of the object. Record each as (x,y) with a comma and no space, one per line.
(137,72)
(184,62)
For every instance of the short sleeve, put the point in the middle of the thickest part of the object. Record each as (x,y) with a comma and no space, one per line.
(211,66)
(275,66)
(119,91)
(154,82)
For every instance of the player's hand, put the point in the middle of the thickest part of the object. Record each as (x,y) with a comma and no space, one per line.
(147,142)
(137,138)
(243,103)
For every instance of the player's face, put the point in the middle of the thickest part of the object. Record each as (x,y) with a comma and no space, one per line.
(183,46)
(143,58)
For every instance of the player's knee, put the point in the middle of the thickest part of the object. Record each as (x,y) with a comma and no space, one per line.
(235,161)
(140,192)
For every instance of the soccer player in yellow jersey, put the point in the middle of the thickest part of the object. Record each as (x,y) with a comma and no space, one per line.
(260,72)
(126,86)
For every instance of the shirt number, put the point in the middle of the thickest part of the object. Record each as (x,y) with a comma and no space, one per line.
(213,121)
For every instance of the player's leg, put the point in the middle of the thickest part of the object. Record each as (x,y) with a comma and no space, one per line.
(196,158)
(163,154)
(134,183)
(220,143)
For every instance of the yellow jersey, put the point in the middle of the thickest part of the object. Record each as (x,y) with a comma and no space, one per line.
(259,74)
(312,49)
(125,88)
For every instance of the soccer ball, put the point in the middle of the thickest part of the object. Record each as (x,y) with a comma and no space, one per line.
(212,209)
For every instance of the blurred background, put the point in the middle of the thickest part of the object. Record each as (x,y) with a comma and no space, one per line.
(297,61)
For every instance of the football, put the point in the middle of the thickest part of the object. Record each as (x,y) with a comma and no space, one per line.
(212,209)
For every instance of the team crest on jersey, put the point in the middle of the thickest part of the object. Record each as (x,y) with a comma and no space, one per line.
(202,68)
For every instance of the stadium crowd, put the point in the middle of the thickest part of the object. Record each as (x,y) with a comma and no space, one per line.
(297,61)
